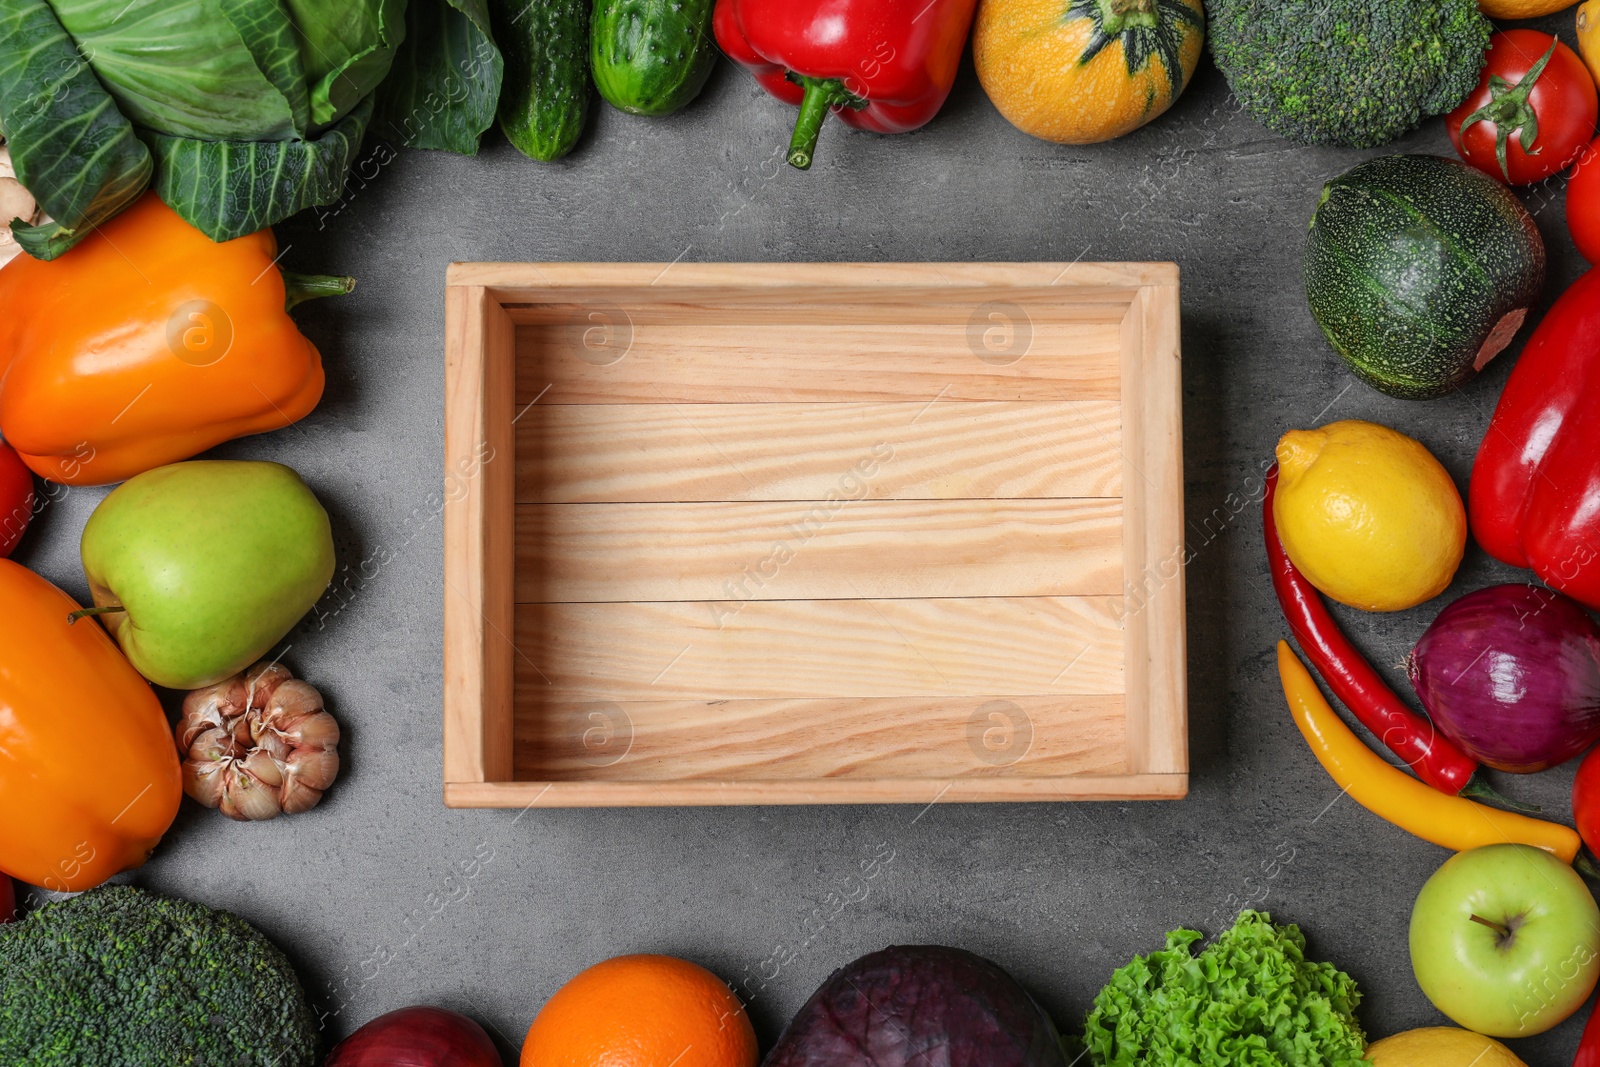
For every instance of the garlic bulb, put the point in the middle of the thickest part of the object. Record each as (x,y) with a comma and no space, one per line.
(15,203)
(258,744)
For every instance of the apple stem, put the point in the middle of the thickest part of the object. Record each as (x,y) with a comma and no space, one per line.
(1498,928)
(82,613)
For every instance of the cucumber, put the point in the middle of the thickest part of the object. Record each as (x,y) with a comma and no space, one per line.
(1419,271)
(651,57)
(546,95)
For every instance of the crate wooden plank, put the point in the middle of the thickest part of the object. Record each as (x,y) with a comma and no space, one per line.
(615,360)
(989,646)
(570,453)
(896,737)
(805,550)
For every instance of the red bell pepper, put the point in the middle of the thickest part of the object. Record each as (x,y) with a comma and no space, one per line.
(1535,494)
(1589,1045)
(880,65)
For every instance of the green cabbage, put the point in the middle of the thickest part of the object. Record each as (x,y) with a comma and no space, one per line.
(1250,999)
(248,110)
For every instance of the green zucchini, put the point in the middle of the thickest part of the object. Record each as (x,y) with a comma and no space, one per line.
(1420,270)
(546,96)
(651,57)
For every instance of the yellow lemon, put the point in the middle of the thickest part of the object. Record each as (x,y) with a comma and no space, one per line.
(1368,515)
(1589,36)
(1441,1046)
(1522,9)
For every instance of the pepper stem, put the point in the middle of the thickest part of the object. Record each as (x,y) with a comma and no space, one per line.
(822,95)
(298,288)
(1586,866)
(1478,788)
(84,613)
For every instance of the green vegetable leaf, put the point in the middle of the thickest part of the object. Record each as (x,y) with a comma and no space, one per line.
(227,189)
(213,69)
(72,148)
(345,48)
(1251,999)
(445,85)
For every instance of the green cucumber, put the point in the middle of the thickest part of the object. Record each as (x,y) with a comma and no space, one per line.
(651,57)
(546,96)
(1420,270)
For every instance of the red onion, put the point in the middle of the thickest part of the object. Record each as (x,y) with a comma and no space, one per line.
(1511,673)
(8,900)
(417,1037)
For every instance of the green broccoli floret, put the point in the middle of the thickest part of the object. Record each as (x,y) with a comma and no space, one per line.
(1347,72)
(118,977)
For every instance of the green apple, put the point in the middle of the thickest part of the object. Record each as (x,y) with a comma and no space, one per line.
(199,568)
(1505,940)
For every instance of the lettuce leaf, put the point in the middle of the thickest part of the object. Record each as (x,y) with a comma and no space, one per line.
(445,86)
(72,148)
(1250,999)
(227,189)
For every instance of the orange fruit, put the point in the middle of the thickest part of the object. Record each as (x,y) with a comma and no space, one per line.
(1522,9)
(642,1011)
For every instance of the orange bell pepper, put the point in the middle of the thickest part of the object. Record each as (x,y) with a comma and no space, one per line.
(149,343)
(89,775)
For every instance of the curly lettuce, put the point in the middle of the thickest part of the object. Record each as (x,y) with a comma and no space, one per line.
(1249,999)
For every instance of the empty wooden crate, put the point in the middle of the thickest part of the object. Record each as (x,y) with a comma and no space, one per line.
(812,533)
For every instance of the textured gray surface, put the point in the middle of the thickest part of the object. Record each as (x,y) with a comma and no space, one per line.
(385,898)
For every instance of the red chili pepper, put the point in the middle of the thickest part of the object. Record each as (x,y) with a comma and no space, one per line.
(1535,491)
(880,65)
(1406,733)
(1589,1044)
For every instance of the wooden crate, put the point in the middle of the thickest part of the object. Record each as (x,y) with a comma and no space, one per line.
(812,533)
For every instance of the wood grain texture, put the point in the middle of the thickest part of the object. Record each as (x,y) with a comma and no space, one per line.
(579,453)
(923,792)
(1154,548)
(839,548)
(853,738)
(617,359)
(996,449)
(479,477)
(725,650)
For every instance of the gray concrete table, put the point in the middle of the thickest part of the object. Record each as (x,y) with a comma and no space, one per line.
(385,898)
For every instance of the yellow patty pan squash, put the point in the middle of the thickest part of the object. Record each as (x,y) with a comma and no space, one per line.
(1084,71)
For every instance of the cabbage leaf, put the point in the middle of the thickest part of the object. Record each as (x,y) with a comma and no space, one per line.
(73,150)
(445,86)
(227,189)
(1250,999)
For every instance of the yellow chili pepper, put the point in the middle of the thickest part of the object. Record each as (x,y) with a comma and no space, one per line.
(1453,822)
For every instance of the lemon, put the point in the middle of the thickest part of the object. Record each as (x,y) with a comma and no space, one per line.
(1368,515)
(1441,1046)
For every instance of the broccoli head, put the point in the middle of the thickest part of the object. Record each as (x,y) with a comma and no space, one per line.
(1357,73)
(118,977)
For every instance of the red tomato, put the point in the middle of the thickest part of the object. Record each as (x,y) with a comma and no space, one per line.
(1586,800)
(16,498)
(1532,113)
(1583,203)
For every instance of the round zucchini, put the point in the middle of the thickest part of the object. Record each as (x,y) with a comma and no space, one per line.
(651,57)
(1420,270)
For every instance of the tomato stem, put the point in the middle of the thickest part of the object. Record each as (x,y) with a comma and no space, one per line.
(1511,112)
